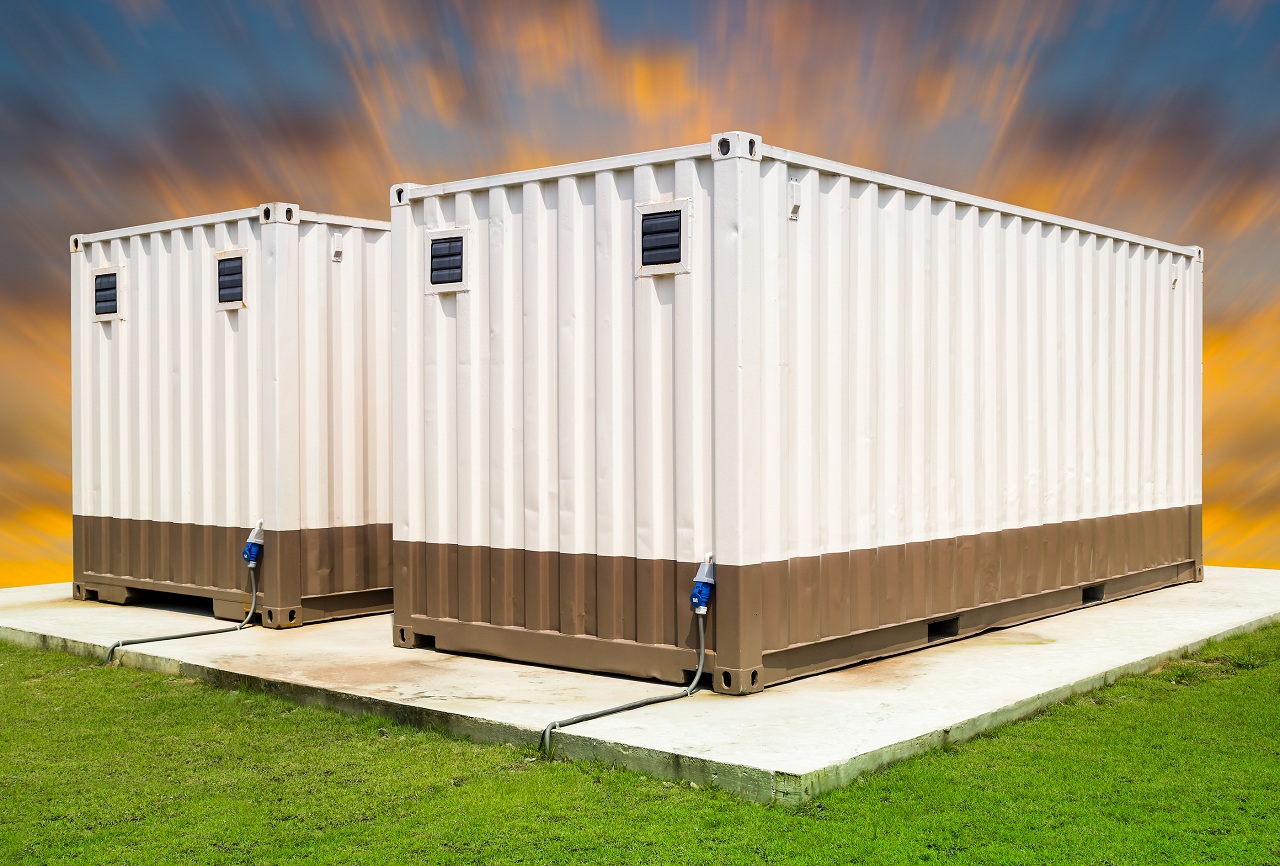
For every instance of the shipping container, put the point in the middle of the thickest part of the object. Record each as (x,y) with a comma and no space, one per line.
(894,414)
(229,369)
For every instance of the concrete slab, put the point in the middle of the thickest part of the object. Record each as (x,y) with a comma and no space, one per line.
(787,744)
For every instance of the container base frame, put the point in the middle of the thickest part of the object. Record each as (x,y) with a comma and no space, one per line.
(675,664)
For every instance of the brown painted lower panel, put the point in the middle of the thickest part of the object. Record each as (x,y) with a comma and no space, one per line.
(614,598)
(776,620)
(305,575)
(785,664)
(556,649)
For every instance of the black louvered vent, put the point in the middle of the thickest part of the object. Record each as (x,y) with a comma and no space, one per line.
(104,294)
(230,280)
(660,238)
(446,261)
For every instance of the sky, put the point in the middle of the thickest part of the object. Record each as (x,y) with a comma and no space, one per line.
(1158,118)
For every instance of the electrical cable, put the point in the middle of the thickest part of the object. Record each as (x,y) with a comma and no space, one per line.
(251,554)
(635,705)
(253,608)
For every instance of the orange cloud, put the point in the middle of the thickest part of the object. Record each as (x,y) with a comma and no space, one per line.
(35,448)
(1241,432)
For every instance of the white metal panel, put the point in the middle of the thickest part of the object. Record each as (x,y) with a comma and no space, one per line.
(164,395)
(852,360)
(559,403)
(344,349)
(957,370)
(187,413)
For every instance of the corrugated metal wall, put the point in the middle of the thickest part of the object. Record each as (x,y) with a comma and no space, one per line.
(187,413)
(561,403)
(898,367)
(933,369)
(344,340)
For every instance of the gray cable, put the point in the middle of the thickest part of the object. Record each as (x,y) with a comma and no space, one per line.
(253,607)
(634,705)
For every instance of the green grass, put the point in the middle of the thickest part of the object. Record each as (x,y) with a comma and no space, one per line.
(111,765)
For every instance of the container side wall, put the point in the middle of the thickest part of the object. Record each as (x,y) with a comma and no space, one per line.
(556,440)
(560,403)
(980,405)
(934,370)
(344,407)
(174,392)
(194,419)
(345,358)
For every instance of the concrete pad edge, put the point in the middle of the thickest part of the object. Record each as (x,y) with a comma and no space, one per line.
(830,778)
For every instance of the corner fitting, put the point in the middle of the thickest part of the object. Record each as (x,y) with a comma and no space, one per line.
(736,145)
(399,194)
(76,243)
(279,212)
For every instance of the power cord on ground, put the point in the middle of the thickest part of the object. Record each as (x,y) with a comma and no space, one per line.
(251,554)
(699,600)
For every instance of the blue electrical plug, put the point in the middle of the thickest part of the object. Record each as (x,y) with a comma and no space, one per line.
(700,598)
(253,546)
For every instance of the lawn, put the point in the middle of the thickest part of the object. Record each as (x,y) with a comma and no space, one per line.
(112,765)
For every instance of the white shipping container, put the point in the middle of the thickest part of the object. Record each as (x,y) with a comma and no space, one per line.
(229,369)
(893,413)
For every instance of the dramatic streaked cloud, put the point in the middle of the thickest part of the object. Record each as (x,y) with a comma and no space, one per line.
(1161,119)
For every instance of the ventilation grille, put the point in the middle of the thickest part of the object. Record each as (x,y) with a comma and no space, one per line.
(660,238)
(104,295)
(446,261)
(231,280)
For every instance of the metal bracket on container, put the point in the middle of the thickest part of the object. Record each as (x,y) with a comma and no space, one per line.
(278,212)
(730,145)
